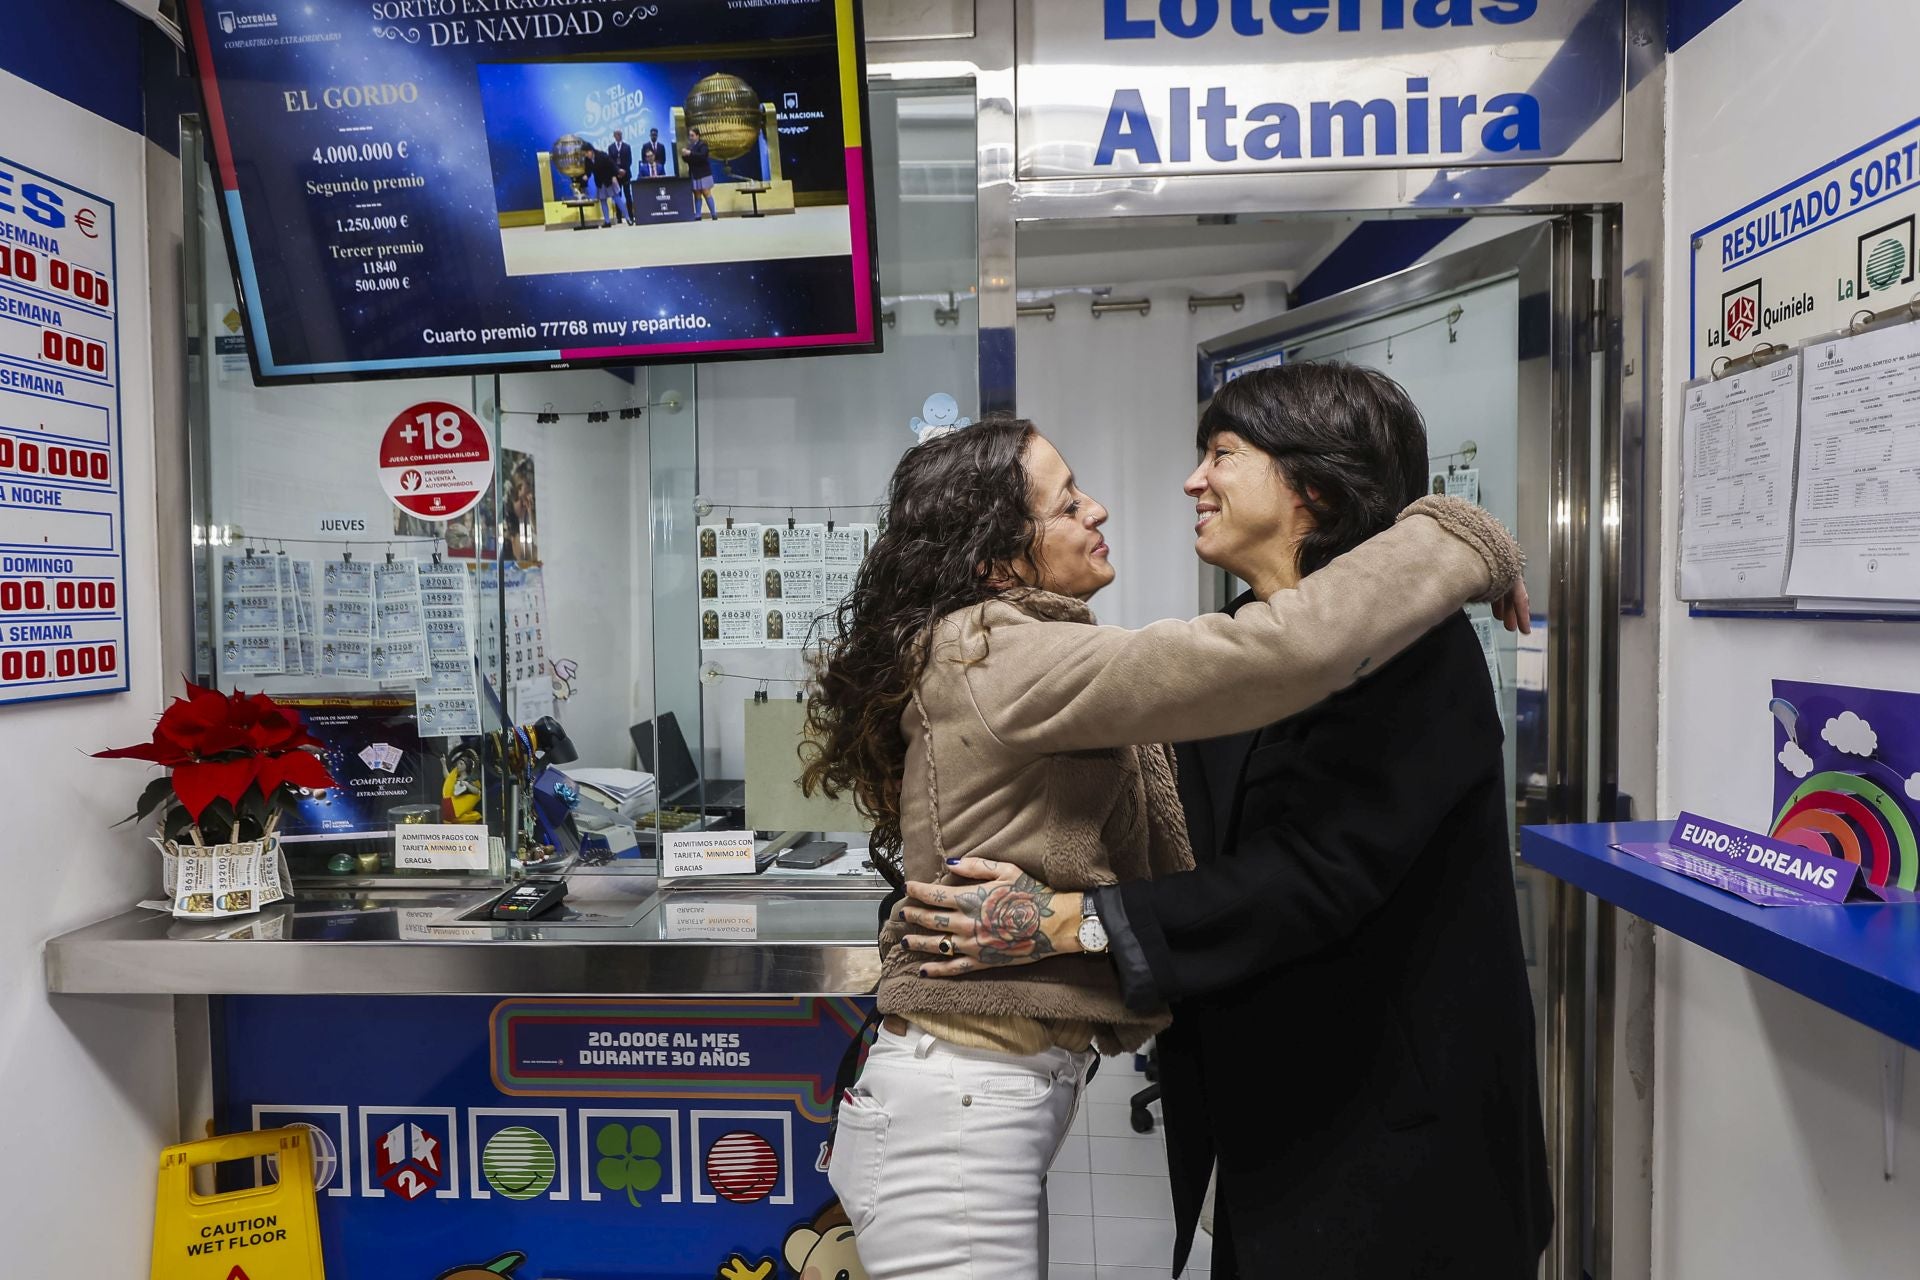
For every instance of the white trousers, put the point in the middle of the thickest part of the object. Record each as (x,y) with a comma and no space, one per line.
(942,1154)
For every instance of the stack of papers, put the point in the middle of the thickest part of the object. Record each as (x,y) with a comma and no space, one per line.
(628,792)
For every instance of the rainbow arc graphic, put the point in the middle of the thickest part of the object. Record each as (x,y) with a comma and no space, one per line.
(1855,818)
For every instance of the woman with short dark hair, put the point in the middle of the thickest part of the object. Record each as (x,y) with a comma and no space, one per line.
(1353,1037)
(970,706)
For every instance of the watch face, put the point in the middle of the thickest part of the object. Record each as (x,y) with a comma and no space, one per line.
(1093,936)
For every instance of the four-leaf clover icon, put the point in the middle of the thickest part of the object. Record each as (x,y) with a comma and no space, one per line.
(628,1159)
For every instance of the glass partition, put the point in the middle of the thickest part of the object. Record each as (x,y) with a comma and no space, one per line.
(794,455)
(574,614)
(446,648)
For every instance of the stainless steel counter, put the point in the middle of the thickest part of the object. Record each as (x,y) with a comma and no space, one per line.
(614,936)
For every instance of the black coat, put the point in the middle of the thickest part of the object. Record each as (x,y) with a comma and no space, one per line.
(600,165)
(1353,1037)
(622,156)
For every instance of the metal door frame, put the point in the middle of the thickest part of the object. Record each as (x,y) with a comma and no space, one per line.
(1554,263)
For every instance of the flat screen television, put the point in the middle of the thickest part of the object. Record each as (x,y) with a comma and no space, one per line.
(416,187)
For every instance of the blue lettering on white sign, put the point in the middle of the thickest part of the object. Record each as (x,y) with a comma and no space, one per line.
(1509,122)
(1420,124)
(1805,208)
(1190,19)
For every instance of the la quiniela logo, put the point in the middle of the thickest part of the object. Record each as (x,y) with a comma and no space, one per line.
(1741,312)
(1884,257)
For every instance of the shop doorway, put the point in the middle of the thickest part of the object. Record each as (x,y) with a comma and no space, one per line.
(1510,348)
(1503,346)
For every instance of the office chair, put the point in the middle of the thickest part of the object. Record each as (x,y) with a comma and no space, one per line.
(1140,1117)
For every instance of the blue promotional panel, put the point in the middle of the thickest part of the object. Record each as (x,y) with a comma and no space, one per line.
(554,1139)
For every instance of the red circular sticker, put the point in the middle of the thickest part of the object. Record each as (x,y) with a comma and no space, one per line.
(436,460)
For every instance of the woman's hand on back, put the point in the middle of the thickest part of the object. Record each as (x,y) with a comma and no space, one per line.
(1008,919)
(1514,610)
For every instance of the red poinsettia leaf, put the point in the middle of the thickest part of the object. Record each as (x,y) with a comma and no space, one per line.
(275,730)
(155,752)
(201,693)
(220,738)
(200,707)
(295,769)
(197,727)
(201,783)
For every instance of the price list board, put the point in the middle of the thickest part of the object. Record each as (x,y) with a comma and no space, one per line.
(63,621)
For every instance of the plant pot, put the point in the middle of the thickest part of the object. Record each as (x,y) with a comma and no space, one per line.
(215,881)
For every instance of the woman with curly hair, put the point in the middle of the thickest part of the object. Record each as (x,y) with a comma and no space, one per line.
(972,707)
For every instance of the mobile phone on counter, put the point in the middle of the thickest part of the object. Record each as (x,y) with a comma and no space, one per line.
(812,855)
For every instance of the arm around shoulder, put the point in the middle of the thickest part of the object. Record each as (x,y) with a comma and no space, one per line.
(1061,686)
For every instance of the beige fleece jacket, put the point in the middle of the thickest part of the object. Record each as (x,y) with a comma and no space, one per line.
(1032,737)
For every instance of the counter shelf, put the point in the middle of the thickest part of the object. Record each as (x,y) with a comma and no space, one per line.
(615,936)
(1862,961)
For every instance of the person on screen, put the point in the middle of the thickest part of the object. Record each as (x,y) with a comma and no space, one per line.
(700,169)
(653,155)
(622,156)
(606,185)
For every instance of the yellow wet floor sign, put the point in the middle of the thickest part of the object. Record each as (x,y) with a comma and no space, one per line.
(262,1233)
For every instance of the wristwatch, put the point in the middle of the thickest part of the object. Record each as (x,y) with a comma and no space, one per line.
(1093,934)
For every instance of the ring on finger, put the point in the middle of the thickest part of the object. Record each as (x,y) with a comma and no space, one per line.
(946,946)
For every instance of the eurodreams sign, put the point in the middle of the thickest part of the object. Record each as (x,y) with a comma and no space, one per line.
(1207,86)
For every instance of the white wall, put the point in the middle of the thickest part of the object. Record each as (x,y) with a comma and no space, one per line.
(1119,396)
(592,481)
(88,1081)
(1768,1139)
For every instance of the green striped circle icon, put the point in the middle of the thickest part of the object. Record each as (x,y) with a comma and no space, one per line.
(518,1163)
(1886,263)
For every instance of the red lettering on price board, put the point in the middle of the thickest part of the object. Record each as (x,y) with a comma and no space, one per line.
(65,662)
(58,595)
(78,282)
(28,458)
(68,349)
(19,264)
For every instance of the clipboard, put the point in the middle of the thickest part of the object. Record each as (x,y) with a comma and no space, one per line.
(1796,607)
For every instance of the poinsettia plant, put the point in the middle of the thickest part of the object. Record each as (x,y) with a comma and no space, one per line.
(235,762)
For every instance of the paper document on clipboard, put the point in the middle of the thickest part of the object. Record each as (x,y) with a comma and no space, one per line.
(1737,442)
(1857,499)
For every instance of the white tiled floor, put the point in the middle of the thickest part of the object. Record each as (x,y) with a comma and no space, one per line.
(1112,1210)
